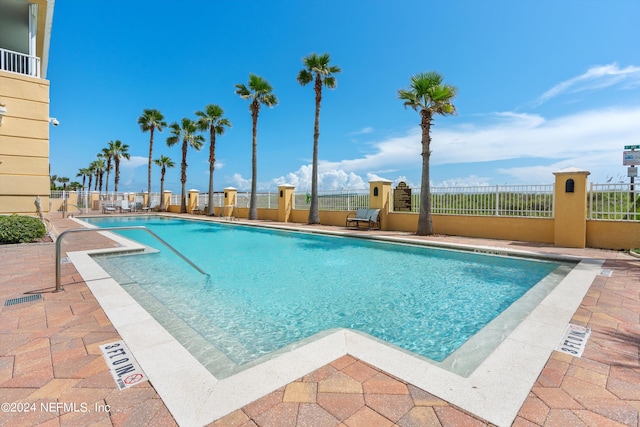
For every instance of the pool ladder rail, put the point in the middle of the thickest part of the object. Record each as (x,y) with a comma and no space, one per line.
(128,227)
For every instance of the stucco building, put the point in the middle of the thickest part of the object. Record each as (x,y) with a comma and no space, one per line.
(25,30)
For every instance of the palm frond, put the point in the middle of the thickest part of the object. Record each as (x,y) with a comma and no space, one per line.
(330,82)
(243,91)
(304,77)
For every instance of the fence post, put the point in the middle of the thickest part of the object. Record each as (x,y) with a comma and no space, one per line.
(192,200)
(497,200)
(230,202)
(570,220)
(285,201)
(380,198)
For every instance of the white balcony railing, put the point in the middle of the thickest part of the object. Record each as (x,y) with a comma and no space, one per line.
(20,63)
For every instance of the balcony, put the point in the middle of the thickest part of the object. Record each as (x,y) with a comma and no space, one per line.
(15,62)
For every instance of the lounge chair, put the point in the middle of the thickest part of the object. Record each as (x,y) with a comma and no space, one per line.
(108,208)
(124,206)
(201,209)
(370,217)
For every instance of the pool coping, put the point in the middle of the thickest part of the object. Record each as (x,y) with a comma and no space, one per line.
(495,391)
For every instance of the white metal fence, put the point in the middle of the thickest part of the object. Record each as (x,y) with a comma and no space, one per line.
(20,63)
(505,200)
(268,199)
(614,202)
(335,200)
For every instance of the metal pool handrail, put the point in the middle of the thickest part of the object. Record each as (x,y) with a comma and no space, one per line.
(128,227)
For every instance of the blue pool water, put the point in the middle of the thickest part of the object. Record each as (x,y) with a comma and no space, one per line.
(270,288)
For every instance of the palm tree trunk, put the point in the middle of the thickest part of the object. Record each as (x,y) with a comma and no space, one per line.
(151,129)
(212,162)
(253,208)
(117,171)
(106,189)
(183,178)
(314,214)
(162,172)
(425,225)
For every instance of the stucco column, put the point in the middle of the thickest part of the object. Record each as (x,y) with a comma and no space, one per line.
(285,201)
(167,200)
(379,198)
(230,201)
(94,201)
(192,200)
(570,208)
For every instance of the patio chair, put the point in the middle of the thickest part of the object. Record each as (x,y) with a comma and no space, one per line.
(108,208)
(124,206)
(362,214)
(201,209)
(370,217)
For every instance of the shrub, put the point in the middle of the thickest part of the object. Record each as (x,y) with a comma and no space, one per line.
(20,229)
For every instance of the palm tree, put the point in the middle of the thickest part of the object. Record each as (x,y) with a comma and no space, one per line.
(99,166)
(318,70)
(164,162)
(118,151)
(428,95)
(63,180)
(83,172)
(93,169)
(74,186)
(107,154)
(259,92)
(186,133)
(52,181)
(211,119)
(151,120)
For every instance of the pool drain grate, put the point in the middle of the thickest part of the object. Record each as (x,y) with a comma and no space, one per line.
(20,300)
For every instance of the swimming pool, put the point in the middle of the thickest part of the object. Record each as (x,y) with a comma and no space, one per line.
(270,289)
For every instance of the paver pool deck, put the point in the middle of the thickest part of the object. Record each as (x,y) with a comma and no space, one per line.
(52,371)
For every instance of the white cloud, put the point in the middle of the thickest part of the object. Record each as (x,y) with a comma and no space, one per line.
(468,181)
(239,182)
(363,131)
(589,134)
(328,179)
(134,162)
(595,78)
(592,140)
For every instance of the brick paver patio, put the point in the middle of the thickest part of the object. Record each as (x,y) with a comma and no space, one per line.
(52,371)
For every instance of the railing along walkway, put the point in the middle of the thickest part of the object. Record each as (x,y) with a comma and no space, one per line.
(129,227)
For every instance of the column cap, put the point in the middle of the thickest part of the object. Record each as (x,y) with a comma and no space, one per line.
(572,170)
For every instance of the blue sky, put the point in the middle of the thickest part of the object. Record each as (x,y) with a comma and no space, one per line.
(542,85)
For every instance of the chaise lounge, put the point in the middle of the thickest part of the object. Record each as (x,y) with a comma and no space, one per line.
(108,208)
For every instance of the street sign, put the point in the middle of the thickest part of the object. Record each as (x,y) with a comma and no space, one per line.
(632,171)
(631,158)
(632,147)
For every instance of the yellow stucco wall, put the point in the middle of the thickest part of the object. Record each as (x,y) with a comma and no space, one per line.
(24,147)
(504,228)
(613,234)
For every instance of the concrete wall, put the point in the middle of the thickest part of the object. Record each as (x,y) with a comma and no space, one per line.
(24,147)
